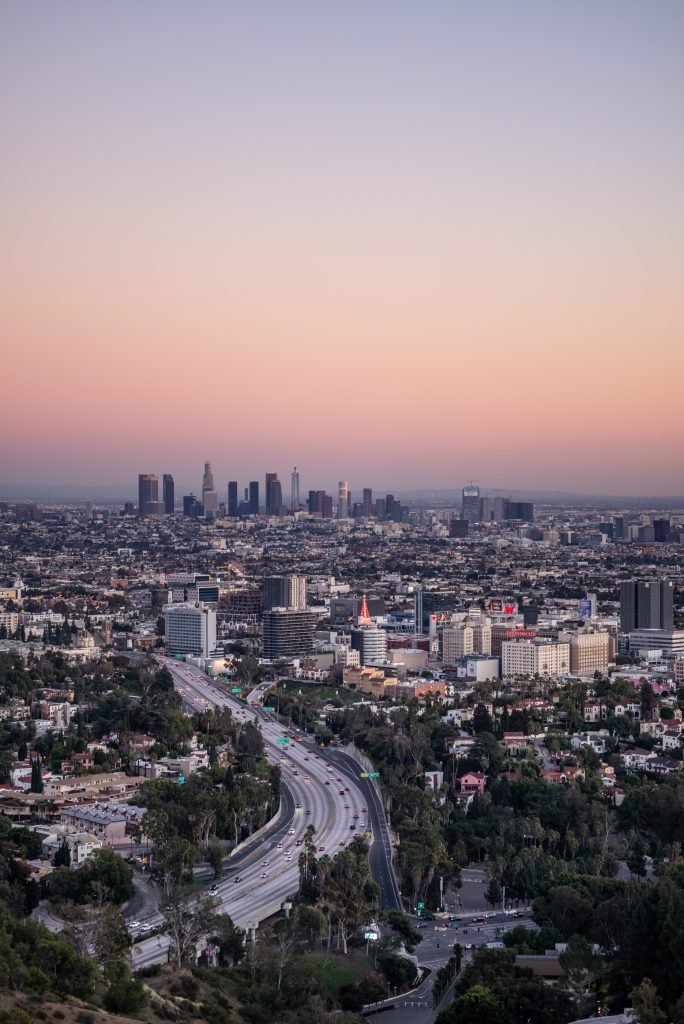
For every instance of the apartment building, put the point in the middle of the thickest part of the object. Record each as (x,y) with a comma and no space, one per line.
(590,652)
(535,657)
(466,638)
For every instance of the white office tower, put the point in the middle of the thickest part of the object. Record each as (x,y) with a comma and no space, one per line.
(371,643)
(190,629)
(294,480)
(343,500)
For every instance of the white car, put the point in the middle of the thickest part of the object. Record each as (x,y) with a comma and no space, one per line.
(291,832)
(134,924)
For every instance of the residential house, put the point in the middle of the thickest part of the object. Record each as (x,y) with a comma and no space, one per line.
(473,783)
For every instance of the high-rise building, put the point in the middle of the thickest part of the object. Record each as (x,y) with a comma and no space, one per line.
(431,602)
(288,632)
(274,495)
(314,502)
(371,643)
(232,507)
(367,502)
(294,490)
(285,592)
(458,528)
(326,506)
(190,629)
(254,498)
(522,510)
(191,506)
(169,492)
(148,492)
(471,503)
(343,500)
(646,604)
(270,479)
(209,495)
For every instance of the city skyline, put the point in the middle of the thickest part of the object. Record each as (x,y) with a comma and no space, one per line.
(452,230)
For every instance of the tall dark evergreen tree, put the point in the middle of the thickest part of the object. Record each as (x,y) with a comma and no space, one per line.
(36,777)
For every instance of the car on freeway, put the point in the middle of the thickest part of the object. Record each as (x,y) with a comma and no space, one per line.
(298,842)
(341,792)
(327,782)
(264,875)
(213,888)
(237,879)
(264,863)
(346,807)
(290,832)
(321,849)
(146,928)
(279,846)
(134,924)
(364,810)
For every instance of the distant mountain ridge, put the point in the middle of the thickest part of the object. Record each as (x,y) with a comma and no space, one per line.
(118,493)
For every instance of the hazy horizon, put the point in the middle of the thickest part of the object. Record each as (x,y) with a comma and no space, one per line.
(394,242)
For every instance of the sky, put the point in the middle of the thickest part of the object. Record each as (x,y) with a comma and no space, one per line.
(404,244)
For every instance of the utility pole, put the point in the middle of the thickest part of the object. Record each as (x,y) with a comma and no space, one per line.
(503,899)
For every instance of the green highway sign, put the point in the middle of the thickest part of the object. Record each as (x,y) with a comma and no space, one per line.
(421,906)
(236,689)
(284,741)
(373,775)
(269,709)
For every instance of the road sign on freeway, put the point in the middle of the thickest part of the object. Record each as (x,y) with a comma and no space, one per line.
(236,689)
(284,741)
(269,709)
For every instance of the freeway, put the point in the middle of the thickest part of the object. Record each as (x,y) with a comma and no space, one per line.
(327,793)
(380,857)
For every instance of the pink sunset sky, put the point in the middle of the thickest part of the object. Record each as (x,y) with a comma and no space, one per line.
(405,244)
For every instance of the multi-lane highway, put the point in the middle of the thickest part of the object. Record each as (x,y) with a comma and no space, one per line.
(326,791)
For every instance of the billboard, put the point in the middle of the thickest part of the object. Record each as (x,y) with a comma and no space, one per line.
(585,609)
(501,606)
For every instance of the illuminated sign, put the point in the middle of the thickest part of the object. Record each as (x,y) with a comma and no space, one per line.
(513,634)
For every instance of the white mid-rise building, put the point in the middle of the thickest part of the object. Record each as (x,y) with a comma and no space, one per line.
(669,641)
(190,629)
(535,657)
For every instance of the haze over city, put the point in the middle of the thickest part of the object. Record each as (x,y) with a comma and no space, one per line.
(402,243)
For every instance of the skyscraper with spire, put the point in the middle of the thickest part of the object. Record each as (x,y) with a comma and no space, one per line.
(294,479)
(209,495)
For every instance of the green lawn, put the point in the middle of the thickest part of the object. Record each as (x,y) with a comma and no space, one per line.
(339,970)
